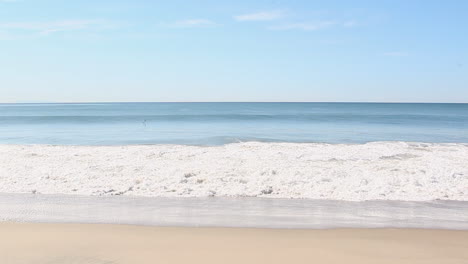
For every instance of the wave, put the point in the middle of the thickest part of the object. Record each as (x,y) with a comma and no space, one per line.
(365,118)
(354,172)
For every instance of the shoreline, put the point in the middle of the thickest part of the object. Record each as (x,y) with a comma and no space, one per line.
(232,212)
(118,244)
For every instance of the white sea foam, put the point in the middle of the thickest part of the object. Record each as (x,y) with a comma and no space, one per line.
(372,171)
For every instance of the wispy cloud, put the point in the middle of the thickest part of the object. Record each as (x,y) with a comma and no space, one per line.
(395,54)
(313,26)
(261,16)
(46,28)
(192,23)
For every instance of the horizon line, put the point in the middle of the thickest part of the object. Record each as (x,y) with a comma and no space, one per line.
(130,102)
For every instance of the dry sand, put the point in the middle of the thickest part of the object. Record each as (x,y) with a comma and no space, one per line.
(99,244)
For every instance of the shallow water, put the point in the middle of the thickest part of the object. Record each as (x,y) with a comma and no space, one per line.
(221,123)
(233,212)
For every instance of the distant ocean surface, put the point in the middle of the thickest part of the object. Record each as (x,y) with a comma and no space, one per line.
(222,123)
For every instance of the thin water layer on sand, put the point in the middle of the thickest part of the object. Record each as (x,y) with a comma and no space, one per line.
(233,212)
(353,172)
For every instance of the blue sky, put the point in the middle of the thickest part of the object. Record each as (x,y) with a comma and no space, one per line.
(96,50)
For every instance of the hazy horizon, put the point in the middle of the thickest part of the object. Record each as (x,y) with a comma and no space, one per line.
(318,102)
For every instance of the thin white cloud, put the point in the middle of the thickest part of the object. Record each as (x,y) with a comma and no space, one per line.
(396,54)
(46,28)
(191,23)
(261,16)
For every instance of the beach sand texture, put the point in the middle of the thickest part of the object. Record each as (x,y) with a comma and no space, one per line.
(122,244)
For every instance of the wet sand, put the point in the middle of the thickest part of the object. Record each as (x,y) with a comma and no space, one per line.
(249,212)
(122,244)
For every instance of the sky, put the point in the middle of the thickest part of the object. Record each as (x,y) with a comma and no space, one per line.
(213,50)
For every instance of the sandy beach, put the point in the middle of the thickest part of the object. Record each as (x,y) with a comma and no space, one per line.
(121,244)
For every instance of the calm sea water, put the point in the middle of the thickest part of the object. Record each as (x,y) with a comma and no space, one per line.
(220,123)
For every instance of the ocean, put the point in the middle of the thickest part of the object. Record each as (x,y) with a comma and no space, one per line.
(406,152)
(222,123)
